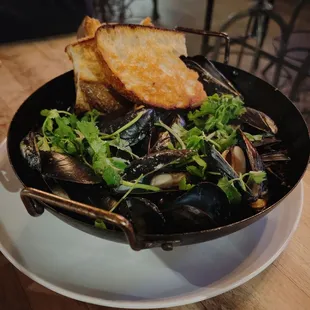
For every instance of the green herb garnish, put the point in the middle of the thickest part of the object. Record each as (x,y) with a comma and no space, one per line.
(64,133)
(232,193)
(100,224)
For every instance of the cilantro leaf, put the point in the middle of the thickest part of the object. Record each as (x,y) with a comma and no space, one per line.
(89,130)
(184,186)
(216,112)
(201,163)
(233,195)
(50,113)
(195,171)
(43,144)
(253,138)
(100,224)
(102,165)
(256,176)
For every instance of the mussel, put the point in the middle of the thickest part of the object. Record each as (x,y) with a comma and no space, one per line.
(134,133)
(144,215)
(168,180)
(154,162)
(255,162)
(211,78)
(203,207)
(258,120)
(236,158)
(56,165)
(266,141)
(217,163)
(161,138)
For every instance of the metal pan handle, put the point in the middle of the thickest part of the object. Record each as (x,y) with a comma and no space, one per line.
(32,197)
(210,34)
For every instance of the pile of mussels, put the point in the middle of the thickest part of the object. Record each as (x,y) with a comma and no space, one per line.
(170,210)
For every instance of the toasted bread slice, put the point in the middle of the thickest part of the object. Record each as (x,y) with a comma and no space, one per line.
(142,63)
(90,25)
(92,90)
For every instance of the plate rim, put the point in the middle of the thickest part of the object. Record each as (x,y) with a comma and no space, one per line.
(172,301)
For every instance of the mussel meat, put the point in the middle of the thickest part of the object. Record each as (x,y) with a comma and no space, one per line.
(167,180)
(236,158)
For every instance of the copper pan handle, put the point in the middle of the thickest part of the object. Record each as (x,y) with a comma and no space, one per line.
(30,197)
(211,34)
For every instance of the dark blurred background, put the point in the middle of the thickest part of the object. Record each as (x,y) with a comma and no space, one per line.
(270,38)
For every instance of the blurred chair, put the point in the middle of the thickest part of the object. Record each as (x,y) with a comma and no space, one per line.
(297,54)
(259,16)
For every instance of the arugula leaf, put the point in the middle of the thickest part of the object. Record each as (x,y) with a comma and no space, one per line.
(233,195)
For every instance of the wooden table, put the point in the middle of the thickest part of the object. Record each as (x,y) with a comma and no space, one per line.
(284,285)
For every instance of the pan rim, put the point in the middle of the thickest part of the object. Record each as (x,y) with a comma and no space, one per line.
(177,236)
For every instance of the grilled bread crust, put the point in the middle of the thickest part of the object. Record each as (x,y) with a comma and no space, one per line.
(142,63)
(92,89)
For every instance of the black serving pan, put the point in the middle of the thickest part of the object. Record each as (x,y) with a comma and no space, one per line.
(59,93)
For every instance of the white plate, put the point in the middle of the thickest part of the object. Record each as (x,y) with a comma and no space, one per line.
(93,270)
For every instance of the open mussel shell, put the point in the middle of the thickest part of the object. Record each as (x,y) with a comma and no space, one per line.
(258,120)
(217,163)
(67,168)
(161,138)
(266,141)
(187,219)
(236,158)
(255,163)
(144,215)
(56,165)
(136,132)
(211,78)
(154,162)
